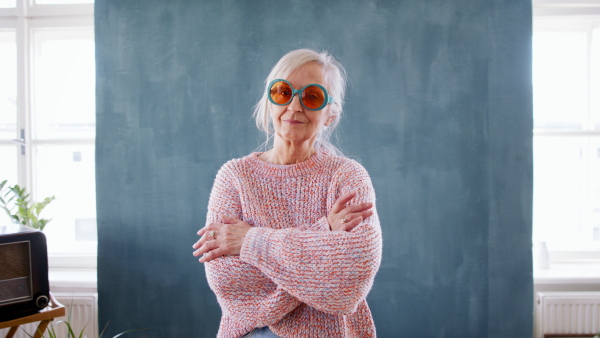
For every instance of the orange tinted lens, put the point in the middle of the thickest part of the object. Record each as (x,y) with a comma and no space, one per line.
(313,97)
(281,92)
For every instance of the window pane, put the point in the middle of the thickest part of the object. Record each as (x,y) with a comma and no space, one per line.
(64,76)
(8,3)
(560,82)
(58,2)
(8,85)
(595,80)
(566,209)
(8,171)
(67,172)
(595,188)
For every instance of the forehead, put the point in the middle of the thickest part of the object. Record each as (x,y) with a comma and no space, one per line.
(306,74)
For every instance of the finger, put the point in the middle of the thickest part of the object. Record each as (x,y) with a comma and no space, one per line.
(211,226)
(206,247)
(356,208)
(345,222)
(204,234)
(209,256)
(366,214)
(207,236)
(351,224)
(197,244)
(340,203)
(352,221)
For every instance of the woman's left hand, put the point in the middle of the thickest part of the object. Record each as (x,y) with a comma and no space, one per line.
(220,239)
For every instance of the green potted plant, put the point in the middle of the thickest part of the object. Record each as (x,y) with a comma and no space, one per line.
(16,202)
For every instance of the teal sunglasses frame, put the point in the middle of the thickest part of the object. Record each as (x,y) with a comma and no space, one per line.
(328,99)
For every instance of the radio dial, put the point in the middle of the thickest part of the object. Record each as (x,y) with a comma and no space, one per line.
(41,301)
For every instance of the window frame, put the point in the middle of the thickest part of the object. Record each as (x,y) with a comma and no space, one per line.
(564,15)
(24,19)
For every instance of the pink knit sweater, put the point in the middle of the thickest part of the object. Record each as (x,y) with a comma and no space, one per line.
(294,274)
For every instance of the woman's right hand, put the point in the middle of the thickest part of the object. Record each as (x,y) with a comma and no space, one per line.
(343,217)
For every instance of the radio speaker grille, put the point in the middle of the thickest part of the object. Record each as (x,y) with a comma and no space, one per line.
(14,260)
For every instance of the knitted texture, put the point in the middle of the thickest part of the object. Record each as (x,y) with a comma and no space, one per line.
(294,274)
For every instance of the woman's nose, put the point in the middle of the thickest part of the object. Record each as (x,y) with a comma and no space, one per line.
(295,105)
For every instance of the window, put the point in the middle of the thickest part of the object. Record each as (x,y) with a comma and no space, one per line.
(566,105)
(47,115)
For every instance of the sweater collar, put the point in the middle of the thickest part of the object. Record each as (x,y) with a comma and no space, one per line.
(310,166)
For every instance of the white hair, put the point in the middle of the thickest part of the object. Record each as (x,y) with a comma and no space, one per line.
(334,76)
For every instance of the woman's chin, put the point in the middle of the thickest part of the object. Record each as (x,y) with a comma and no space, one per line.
(296,139)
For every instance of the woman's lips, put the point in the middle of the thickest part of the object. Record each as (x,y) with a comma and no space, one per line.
(294,121)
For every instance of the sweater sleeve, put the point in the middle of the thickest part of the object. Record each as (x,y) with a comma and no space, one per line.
(332,271)
(242,290)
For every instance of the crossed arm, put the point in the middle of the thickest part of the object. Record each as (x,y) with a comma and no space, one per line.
(227,238)
(331,271)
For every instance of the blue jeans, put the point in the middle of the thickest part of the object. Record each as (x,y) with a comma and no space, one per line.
(263,332)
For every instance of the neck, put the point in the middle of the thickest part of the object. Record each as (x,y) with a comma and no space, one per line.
(288,152)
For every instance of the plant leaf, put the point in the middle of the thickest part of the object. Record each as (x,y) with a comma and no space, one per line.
(17,204)
(42,224)
(30,336)
(124,332)
(104,329)
(70,333)
(82,331)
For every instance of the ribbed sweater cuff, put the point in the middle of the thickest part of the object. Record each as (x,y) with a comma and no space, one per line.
(320,225)
(255,249)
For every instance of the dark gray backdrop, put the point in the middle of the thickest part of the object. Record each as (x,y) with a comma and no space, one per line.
(438,111)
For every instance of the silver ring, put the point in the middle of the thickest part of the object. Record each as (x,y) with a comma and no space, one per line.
(344,220)
(212,234)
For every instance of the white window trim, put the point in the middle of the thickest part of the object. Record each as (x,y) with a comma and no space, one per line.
(64,261)
(568,267)
(25,17)
(567,8)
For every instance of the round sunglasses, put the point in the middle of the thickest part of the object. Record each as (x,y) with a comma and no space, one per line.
(312,96)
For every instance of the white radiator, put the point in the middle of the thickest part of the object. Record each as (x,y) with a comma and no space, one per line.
(567,313)
(82,313)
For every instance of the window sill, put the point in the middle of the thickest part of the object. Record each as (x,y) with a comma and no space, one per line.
(72,261)
(73,280)
(568,273)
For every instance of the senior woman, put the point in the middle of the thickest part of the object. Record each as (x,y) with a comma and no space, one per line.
(292,240)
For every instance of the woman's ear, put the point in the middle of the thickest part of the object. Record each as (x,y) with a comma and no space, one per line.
(330,120)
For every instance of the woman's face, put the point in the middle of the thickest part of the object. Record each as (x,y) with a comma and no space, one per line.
(293,122)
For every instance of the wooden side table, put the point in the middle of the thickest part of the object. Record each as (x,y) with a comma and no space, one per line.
(45,316)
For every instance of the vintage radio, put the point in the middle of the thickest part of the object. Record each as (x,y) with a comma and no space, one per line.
(24,286)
